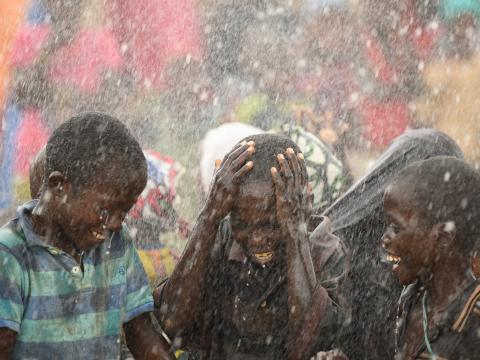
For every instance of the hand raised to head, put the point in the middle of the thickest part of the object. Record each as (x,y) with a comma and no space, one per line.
(228,174)
(293,195)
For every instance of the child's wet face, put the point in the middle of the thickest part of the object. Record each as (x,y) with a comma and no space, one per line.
(410,248)
(94,213)
(254,223)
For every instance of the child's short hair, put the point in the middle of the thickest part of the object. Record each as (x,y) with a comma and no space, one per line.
(37,173)
(445,189)
(95,147)
(267,147)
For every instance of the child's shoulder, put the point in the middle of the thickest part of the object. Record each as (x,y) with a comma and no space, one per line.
(11,236)
(12,241)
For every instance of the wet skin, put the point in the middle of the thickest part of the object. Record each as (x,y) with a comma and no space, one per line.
(410,249)
(424,253)
(77,220)
(268,221)
(254,223)
(410,246)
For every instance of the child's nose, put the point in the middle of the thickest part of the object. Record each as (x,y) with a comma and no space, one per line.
(258,238)
(385,240)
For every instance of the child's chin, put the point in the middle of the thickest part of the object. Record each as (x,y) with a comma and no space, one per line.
(92,243)
(406,279)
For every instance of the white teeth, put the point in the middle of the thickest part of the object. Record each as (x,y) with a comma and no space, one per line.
(394,259)
(98,236)
(265,256)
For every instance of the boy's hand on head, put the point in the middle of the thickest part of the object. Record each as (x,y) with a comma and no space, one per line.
(227,177)
(293,195)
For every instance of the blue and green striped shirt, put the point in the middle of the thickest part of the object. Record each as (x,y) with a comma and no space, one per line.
(60,311)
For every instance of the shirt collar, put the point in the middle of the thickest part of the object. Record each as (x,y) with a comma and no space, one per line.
(236,253)
(412,294)
(26,225)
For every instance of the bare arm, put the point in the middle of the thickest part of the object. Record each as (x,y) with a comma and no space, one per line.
(179,303)
(144,341)
(307,299)
(7,342)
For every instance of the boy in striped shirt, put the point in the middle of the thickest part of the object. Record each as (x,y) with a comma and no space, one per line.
(70,278)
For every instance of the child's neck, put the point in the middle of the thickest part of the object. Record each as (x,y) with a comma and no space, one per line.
(447,282)
(53,236)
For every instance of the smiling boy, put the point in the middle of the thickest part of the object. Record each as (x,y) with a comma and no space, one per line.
(432,212)
(70,278)
(252,282)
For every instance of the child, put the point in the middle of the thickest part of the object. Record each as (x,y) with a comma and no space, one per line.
(432,213)
(357,218)
(252,282)
(70,278)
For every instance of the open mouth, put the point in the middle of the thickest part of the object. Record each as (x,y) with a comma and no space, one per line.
(394,260)
(263,257)
(98,236)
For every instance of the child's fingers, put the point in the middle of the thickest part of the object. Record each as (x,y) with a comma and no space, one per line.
(295,166)
(244,170)
(236,153)
(277,179)
(303,174)
(242,158)
(285,169)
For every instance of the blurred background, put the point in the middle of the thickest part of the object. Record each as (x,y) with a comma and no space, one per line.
(343,78)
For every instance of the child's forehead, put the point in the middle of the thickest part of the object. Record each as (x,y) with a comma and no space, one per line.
(113,188)
(400,195)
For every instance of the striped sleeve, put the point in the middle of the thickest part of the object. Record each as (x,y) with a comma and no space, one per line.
(11,290)
(139,292)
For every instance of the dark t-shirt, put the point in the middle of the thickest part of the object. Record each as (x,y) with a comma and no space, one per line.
(245,310)
(455,337)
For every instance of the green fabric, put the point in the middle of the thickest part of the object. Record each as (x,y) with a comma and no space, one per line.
(451,9)
(56,308)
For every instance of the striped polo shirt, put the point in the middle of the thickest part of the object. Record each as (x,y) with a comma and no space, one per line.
(60,311)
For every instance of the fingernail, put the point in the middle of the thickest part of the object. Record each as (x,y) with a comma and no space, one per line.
(280,157)
(251,143)
(290,151)
(300,156)
(249,164)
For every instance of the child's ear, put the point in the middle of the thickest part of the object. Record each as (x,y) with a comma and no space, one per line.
(57,183)
(445,233)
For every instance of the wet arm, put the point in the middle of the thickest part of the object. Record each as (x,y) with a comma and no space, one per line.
(307,299)
(7,342)
(179,303)
(144,341)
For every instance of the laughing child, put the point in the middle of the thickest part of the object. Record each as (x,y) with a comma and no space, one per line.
(433,215)
(253,284)
(70,278)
